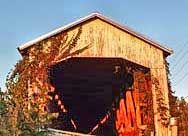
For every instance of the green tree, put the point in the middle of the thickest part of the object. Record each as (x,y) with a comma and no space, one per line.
(5,114)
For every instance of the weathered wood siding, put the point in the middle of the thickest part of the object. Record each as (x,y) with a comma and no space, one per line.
(109,41)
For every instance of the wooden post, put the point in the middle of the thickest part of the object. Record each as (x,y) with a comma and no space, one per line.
(174,126)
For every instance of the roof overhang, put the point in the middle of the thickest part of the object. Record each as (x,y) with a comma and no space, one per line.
(166,50)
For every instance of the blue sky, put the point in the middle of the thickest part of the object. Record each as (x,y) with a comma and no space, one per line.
(163,21)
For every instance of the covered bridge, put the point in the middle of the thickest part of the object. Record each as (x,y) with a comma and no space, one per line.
(115,86)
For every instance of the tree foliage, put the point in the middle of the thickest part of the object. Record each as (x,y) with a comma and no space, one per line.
(178,107)
(28,83)
(182,112)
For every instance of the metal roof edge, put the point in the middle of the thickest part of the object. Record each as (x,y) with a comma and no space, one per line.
(104,18)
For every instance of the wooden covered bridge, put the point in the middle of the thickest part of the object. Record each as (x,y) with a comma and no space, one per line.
(113,87)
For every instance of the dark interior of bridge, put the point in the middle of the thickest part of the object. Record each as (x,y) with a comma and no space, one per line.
(85,86)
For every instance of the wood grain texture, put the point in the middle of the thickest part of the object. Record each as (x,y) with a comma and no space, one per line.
(108,41)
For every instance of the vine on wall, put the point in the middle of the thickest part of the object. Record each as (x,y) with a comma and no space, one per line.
(171,94)
(162,107)
(28,83)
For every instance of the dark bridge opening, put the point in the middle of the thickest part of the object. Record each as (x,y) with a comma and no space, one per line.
(86,86)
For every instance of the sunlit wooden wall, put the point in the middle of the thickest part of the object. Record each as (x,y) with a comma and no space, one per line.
(106,40)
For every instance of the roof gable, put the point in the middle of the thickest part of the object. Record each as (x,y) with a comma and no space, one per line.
(103,18)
